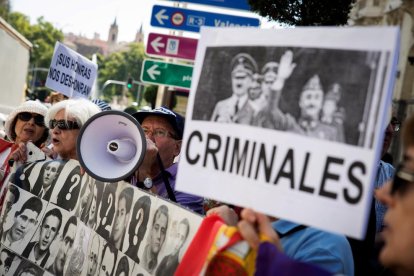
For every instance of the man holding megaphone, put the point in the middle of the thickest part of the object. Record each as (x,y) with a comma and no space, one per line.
(163,130)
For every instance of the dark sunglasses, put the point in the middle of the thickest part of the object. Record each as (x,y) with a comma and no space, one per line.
(63,125)
(403,179)
(27,116)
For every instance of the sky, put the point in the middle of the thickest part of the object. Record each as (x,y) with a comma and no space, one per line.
(87,17)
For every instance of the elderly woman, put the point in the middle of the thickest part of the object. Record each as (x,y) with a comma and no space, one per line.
(25,123)
(65,119)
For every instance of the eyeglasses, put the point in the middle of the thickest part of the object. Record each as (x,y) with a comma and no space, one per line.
(27,116)
(63,125)
(158,132)
(403,178)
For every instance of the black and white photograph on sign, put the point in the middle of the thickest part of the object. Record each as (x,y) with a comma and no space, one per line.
(321,93)
(6,260)
(21,223)
(40,250)
(179,235)
(93,255)
(77,258)
(108,259)
(67,188)
(65,243)
(92,217)
(125,195)
(107,210)
(138,226)
(22,267)
(46,179)
(156,236)
(124,265)
(86,198)
(11,197)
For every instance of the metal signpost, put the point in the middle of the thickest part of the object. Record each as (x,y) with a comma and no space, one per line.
(161,45)
(166,73)
(192,20)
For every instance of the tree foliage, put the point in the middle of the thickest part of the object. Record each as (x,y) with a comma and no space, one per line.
(304,12)
(119,66)
(43,35)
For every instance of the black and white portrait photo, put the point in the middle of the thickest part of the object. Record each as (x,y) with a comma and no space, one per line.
(6,259)
(138,225)
(169,263)
(108,260)
(93,260)
(122,215)
(312,92)
(77,259)
(22,221)
(11,197)
(155,239)
(38,250)
(86,198)
(46,180)
(66,241)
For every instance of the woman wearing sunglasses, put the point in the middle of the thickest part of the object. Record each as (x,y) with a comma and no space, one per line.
(25,123)
(64,120)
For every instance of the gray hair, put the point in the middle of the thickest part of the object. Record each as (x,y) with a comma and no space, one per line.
(80,109)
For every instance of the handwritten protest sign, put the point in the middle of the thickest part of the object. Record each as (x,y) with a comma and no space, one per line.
(56,221)
(290,122)
(70,73)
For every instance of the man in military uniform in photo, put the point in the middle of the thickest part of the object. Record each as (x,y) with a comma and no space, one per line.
(310,103)
(243,67)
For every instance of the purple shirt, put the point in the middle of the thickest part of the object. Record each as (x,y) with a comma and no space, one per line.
(193,202)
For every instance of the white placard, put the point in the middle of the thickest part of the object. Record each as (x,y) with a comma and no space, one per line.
(71,73)
(305,150)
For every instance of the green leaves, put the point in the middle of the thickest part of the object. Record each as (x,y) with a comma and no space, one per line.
(304,13)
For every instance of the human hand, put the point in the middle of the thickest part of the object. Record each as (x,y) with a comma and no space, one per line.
(254,227)
(227,214)
(49,152)
(20,154)
(286,66)
(149,166)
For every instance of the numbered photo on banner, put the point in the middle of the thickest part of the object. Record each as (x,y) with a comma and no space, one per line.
(46,241)
(290,117)
(21,222)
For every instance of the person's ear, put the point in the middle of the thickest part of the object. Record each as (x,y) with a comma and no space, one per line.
(177,147)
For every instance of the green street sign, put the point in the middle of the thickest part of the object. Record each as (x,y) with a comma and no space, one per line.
(166,73)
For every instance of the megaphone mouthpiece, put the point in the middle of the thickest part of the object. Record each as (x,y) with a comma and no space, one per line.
(123,149)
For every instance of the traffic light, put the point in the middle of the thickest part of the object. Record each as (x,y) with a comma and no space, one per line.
(129,83)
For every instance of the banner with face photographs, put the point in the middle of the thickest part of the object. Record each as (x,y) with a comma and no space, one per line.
(290,121)
(56,221)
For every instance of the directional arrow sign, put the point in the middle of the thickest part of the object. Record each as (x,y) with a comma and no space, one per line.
(161,45)
(191,20)
(233,4)
(165,73)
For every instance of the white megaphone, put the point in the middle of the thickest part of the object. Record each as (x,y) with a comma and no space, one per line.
(111,146)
